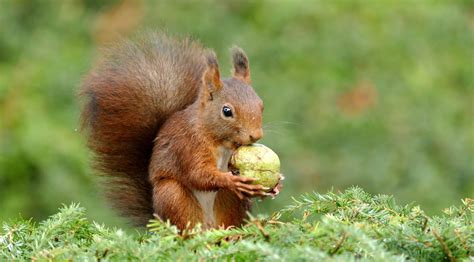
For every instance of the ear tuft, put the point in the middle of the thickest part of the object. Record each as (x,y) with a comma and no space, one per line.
(212,78)
(241,65)
(211,58)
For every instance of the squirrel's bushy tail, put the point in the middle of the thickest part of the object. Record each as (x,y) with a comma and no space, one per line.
(129,94)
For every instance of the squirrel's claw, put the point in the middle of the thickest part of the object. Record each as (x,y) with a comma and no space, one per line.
(252,190)
(276,190)
(241,187)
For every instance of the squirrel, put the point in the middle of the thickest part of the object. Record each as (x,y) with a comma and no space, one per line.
(162,125)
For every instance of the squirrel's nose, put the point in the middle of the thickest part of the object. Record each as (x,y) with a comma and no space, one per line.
(255,136)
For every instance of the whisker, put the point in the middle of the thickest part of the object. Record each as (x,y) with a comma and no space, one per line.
(273,131)
(281,123)
(279,128)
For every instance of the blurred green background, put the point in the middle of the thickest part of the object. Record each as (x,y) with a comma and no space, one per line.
(371,93)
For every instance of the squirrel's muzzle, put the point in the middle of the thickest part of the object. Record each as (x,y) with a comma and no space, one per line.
(255,136)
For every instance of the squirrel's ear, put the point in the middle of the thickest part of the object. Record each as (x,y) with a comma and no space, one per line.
(241,65)
(212,78)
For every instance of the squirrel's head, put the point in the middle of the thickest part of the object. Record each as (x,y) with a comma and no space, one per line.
(232,111)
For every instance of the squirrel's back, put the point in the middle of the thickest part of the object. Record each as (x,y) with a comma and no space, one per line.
(129,94)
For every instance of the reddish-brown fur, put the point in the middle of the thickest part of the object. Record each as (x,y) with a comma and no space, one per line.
(155,123)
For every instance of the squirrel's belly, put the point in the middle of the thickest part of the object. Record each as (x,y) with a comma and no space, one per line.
(206,199)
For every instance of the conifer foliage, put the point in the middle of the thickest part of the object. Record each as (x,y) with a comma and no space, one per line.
(352,225)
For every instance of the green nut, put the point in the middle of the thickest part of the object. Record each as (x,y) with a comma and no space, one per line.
(259,162)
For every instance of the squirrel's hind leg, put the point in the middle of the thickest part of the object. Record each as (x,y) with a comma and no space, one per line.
(229,209)
(174,202)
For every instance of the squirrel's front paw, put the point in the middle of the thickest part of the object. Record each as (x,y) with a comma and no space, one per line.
(276,190)
(241,187)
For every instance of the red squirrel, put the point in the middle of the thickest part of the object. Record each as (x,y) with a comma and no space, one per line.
(163,124)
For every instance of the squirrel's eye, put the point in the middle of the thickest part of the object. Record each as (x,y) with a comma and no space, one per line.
(227,111)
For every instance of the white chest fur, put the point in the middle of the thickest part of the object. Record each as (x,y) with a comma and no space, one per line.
(206,198)
(223,157)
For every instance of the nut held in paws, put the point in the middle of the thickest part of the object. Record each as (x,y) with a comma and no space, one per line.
(257,161)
